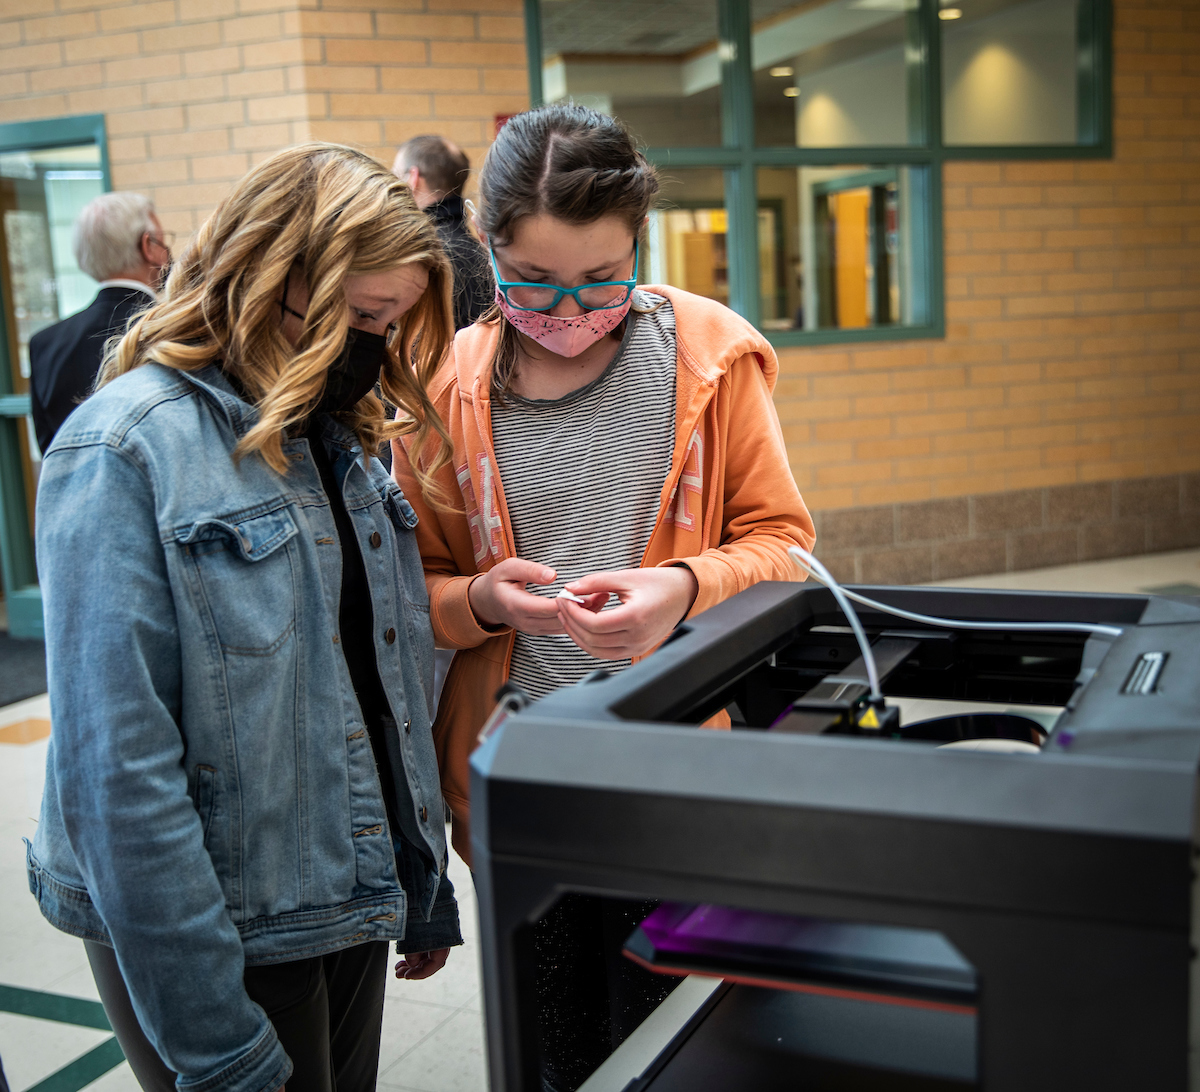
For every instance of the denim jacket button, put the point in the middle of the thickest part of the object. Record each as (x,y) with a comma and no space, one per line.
(376,539)
(408,727)
(424,813)
(390,636)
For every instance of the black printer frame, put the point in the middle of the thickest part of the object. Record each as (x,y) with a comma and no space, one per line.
(1065,879)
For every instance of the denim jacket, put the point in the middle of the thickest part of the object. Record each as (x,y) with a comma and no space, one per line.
(211,795)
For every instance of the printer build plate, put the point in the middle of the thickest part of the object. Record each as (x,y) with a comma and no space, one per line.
(784,1041)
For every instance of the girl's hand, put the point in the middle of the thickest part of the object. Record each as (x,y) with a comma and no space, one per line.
(653,602)
(417,965)
(499,598)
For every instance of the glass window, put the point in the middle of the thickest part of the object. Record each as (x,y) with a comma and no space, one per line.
(839,247)
(751,118)
(1010,71)
(41,193)
(686,240)
(834,74)
(48,171)
(654,65)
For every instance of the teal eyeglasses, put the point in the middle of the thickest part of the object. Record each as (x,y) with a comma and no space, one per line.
(604,296)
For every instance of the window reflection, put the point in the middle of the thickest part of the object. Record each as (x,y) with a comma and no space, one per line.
(834,74)
(1010,72)
(41,193)
(687,234)
(837,245)
(655,66)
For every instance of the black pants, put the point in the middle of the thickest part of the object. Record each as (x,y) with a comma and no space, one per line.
(590,997)
(327,1012)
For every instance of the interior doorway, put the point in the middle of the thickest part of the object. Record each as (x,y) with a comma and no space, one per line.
(48,172)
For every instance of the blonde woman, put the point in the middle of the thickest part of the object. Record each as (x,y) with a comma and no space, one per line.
(242,804)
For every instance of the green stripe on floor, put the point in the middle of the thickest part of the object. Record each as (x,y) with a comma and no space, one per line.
(66,1010)
(85,1069)
(53,1006)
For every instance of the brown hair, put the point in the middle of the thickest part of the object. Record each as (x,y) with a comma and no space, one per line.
(574,163)
(328,212)
(443,165)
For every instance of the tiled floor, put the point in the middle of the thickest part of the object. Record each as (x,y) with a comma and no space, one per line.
(432,1030)
(432,1034)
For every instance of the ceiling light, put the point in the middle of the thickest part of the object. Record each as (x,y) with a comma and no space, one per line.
(782,70)
(792,92)
(950,13)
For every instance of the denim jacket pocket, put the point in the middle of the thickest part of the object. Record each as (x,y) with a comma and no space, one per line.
(244,575)
(401,513)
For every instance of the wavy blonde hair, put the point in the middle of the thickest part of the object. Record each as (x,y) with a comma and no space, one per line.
(328,212)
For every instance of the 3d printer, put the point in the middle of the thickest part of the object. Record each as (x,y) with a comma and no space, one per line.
(881,910)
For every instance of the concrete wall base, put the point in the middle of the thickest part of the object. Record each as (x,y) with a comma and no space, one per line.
(911,543)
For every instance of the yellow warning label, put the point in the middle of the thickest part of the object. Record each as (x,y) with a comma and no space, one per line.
(868,719)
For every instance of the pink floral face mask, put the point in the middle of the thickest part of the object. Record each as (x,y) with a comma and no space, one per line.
(565,336)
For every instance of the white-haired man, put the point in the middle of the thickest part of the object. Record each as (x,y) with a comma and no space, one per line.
(119,241)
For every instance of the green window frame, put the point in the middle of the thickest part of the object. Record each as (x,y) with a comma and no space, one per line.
(18,568)
(740,158)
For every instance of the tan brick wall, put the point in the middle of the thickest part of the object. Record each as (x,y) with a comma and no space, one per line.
(417,66)
(1072,352)
(192,90)
(1072,349)
(196,91)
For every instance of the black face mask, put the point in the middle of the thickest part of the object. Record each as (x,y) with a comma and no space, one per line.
(355,372)
(354,375)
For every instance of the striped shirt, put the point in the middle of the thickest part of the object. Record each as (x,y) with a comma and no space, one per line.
(582,477)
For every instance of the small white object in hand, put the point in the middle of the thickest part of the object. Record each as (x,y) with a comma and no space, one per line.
(564,594)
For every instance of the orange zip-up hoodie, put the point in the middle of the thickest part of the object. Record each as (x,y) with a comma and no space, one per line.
(729,508)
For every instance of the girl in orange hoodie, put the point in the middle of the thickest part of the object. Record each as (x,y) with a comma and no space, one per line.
(609,441)
(612,442)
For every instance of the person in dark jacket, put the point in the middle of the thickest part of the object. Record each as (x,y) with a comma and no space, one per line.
(436,171)
(119,241)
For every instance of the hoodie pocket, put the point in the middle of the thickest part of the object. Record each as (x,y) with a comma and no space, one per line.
(242,569)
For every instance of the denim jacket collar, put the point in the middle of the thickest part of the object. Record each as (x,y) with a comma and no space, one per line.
(243,416)
(213,383)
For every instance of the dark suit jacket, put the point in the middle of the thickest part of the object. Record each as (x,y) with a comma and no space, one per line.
(64,358)
(474,285)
